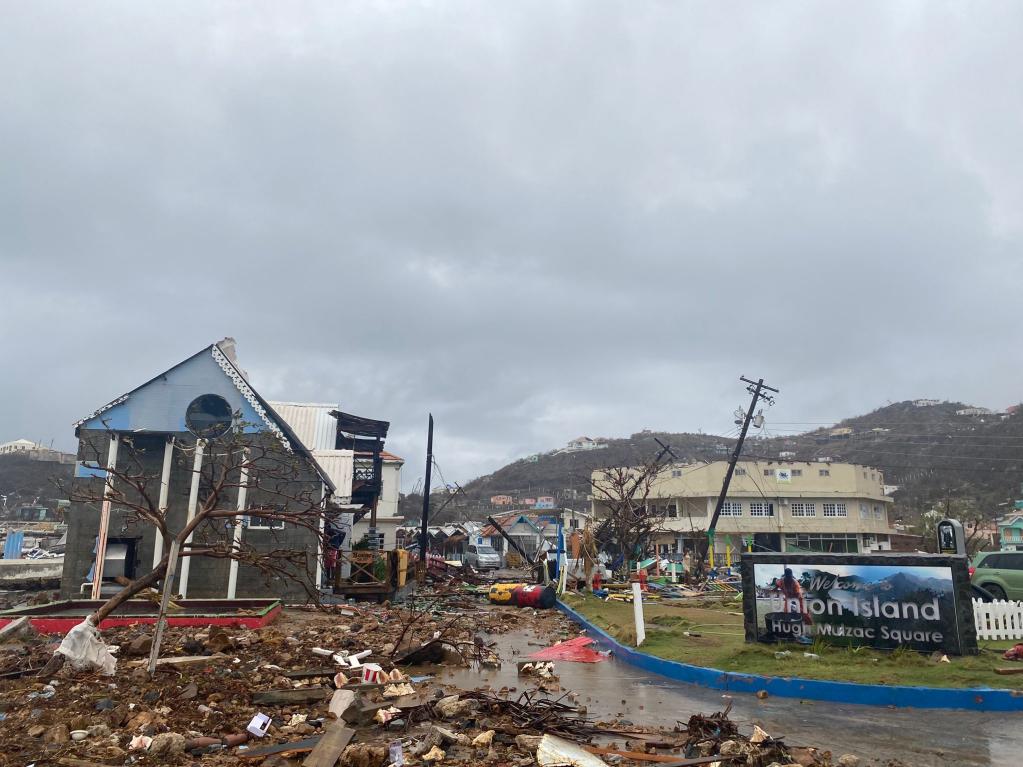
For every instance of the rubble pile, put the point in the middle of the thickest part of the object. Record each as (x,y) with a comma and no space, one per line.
(358,687)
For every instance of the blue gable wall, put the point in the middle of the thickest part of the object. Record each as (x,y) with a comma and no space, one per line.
(160,405)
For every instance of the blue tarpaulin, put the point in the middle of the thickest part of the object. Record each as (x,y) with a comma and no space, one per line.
(12,547)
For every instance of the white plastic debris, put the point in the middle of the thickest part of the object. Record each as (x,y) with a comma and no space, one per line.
(554,751)
(372,674)
(355,661)
(140,743)
(259,725)
(86,651)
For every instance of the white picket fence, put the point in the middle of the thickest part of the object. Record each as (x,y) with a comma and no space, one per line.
(998,620)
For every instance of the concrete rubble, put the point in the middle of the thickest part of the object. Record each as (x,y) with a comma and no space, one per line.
(320,688)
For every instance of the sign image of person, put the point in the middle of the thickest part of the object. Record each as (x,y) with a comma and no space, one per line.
(793,594)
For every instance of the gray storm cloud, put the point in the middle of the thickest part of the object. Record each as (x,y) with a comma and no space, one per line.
(537,220)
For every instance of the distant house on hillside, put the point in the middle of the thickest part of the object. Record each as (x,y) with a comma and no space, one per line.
(501,500)
(926,402)
(975,411)
(580,444)
(544,502)
(35,451)
(1010,531)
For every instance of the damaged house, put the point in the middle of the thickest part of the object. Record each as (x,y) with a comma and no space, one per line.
(335,474)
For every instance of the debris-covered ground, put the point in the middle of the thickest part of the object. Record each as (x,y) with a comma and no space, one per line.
(305,674)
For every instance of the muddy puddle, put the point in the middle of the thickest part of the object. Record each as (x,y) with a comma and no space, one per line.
(916,737)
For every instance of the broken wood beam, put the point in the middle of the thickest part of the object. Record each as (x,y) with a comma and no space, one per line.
(328,750)
(287,697)
(283,750)
(666,759)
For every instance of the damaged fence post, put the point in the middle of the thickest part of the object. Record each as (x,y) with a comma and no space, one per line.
(637,609)
(161,620)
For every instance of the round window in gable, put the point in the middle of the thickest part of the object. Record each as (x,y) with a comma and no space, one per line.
(209,416)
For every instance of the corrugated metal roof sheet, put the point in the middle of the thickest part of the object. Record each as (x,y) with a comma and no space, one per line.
(311,421)
(337,464)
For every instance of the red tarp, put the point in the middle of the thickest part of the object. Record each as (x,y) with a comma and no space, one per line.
(577,650)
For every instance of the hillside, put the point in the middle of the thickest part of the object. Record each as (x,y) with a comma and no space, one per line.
(929,451)
(28,482)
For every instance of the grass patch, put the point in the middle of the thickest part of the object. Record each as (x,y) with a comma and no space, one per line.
(721,644)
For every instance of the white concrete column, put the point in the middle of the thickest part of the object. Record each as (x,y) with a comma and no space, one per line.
(168,455)
(236,541)
(320,553)
(104,518)
(193,501)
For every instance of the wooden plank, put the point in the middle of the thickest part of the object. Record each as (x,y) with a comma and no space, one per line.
(70,761)
(184,660)
(1008,671)
(699,760)
(328,750)
(285,697)
(14,627)
(281,749)
(312,672)
(667,759)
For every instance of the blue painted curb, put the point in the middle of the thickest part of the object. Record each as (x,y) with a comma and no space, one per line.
(972,698)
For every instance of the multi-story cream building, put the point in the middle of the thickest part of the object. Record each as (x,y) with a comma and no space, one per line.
(771,506)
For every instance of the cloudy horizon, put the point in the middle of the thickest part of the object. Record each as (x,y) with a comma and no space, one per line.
(536,220)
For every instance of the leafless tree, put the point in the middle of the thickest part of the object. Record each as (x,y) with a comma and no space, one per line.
(625,493)
(275,483)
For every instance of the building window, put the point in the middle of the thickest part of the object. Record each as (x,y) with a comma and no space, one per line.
(823,472)
(209,416)
(835,543)
(878,512)
(740,472)
(835,510)
(873,476)
(864,475)
(731,509)
(797,472)
(864,511)
(768,472)
(758,509)
(676,472)
(263,523)
(803,510)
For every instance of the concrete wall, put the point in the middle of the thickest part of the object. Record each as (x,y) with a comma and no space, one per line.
(208,577)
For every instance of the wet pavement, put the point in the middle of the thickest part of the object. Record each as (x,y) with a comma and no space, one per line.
(918,738)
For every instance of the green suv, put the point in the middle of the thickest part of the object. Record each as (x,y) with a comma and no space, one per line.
(1000,573)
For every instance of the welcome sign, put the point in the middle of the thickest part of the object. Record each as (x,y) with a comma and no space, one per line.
(886,601)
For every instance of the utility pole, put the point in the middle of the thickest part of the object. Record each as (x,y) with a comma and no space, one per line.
(424,536)
(757,389)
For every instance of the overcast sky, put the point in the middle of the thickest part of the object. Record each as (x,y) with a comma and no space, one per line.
(537,220)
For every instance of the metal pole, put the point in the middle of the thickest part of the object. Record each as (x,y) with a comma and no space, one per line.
(424,536)
(161,621)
